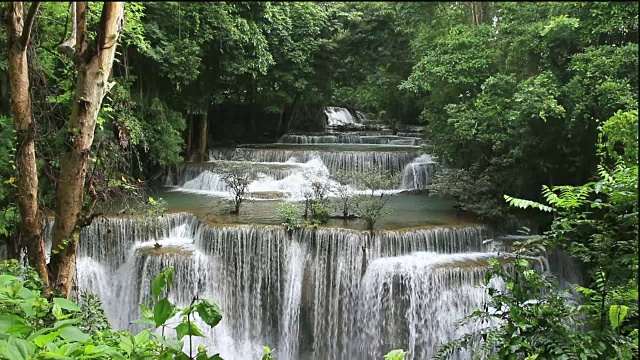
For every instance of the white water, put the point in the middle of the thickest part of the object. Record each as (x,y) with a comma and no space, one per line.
(324,294)
(289,172)
(290,320)
(417,174)
(337,116)
(349,138)
(299,295)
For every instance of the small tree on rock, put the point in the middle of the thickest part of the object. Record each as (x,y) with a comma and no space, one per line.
(237,177)
(346,196)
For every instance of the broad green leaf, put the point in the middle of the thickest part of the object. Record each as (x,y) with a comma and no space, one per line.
(617,313)
(209,312)
(188,328)
(74,334)
(158,285)
(62,323)
(66,304)
(43,340)
(142,338)
(19,349)
(126,344)
(171,343)
(13,325)
(162,311)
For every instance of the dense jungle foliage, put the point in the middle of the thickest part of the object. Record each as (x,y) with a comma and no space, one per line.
(513,97)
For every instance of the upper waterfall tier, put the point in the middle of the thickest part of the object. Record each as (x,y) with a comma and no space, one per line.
(337,116)
(344,158)
(349,138)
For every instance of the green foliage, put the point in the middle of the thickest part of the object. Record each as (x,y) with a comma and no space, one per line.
(397,354)
(514,103)
(8,191)
(289,215)
(31,326)
(596,223)
(268,353)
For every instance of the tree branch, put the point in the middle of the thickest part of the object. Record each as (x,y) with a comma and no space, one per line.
(67,46)
(28,24)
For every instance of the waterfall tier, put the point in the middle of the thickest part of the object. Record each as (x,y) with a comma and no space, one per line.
(392,161)
(337,116)
(310,294)
(348,138)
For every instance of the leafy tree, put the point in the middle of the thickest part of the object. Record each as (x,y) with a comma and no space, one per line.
(596,223)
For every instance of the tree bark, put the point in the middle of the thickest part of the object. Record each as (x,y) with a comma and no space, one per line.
(202,144)
(189,136)
(18,35)
(93,64)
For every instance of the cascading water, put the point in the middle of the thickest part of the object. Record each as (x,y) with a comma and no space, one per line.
(337,116)
(414,300)
(393,161)
(349,138)
(417,174)
(301,293)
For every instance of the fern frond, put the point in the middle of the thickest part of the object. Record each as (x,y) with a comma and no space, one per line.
(524,204)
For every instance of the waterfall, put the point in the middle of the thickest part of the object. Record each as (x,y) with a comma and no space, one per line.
(417,174)
(415,300)
(393,161)
(314,294)
(337,116)
(298,293)
(349,138)
(290,320)
(320,139)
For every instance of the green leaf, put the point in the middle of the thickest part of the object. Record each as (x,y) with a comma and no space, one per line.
(74,334)
(172,344)
(4,279)
(146,316)
(162,311)
(126,344)
(66,304)
(158,284)
(13,325)
(63,323)
(188,328)
(209,312)
(19,349)
(617,313)
(142,338)
(43,340)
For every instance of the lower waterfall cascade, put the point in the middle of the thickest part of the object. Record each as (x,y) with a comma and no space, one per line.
(310,294)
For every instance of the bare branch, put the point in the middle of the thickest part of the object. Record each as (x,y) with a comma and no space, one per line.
(31,16)
(67,46)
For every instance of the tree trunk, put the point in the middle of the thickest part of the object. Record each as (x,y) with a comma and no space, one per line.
(18,33)
(189,136)
(202,144)
(93,63)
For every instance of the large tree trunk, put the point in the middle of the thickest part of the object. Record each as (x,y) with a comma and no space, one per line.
(202,144)
(93,63)
(18,34)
